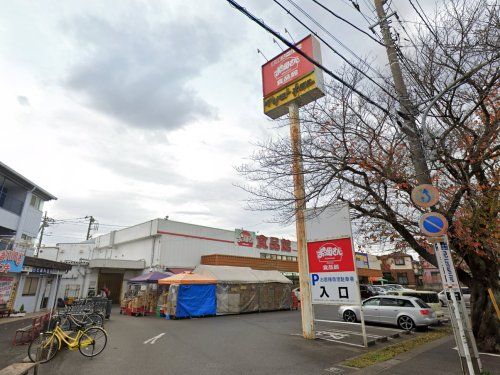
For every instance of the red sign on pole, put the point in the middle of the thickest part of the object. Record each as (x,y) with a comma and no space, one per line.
(287,67)
(331,256)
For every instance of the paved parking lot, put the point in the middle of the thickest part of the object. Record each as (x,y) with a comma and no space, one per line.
(332,328)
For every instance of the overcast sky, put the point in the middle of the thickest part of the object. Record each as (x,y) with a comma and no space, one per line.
(133,110)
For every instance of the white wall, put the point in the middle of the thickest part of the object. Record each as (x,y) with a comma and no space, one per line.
(31,221)
(8,219)
(179,251)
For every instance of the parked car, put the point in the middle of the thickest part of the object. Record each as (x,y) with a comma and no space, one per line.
(366,291)
(429,297)
(465,294)
(296,291)
(380,290)
(394,286)
(405,312)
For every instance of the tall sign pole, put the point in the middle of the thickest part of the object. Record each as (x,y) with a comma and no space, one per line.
(306,310)
(290,81)
(435,226)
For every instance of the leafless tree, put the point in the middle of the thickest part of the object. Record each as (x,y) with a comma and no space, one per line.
(355,153)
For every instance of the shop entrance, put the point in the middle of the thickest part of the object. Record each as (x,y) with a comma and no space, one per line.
(114,282)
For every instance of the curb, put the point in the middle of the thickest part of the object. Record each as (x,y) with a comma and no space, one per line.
(403,357)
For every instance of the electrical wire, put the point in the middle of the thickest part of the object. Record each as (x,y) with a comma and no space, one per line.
(333,49)
(340,43)
(308,58)
(346,21)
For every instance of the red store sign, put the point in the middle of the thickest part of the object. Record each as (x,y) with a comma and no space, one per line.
(331,255)
(287,67)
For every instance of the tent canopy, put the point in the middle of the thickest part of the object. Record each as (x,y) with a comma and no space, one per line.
(151,277)
(187,278)
(240,275)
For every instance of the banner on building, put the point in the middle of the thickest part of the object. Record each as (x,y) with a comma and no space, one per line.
(6,283)
(291,77)
(11,261)
(362,260)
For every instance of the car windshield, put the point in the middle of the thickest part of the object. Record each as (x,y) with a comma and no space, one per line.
(422,304)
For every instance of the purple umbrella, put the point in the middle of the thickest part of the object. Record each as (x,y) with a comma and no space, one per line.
(151,277)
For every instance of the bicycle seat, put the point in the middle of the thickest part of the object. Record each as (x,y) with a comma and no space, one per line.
(87,310)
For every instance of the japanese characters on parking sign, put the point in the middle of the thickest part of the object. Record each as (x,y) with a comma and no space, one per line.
(332,271)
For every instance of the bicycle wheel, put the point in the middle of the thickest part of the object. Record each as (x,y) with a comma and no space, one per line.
(93,341)
(43,348)
(97,319)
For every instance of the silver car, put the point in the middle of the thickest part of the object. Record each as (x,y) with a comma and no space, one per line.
(405,312)
(465,295)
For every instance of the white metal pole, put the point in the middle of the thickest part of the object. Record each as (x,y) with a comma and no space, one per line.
(358,292)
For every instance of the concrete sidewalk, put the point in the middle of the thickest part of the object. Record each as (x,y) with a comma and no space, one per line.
(28,316)
(437,358)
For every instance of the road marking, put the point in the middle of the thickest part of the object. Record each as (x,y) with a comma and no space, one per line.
(349,323)
(493,355)
(343,342)
(356,333)
(152,340)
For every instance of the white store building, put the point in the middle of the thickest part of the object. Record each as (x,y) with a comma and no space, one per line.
(160,245)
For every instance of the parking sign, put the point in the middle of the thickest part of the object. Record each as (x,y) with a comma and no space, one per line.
(332,272)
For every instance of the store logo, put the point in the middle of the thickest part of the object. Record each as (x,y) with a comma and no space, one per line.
(329,253)
(245,238)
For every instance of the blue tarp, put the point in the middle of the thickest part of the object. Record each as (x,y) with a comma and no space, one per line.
(196,300)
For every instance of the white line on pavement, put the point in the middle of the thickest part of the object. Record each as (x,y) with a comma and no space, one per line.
(343,342)
(492,354)
(152,340)
(349,323)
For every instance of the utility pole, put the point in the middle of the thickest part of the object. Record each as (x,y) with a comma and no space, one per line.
(462,328)
(306,308)
(407,109)
(45,223)
(91,221)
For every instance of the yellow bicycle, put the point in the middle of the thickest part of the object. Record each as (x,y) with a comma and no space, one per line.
(90,342)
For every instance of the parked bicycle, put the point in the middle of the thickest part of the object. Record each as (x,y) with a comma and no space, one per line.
(69,321)
(89,342)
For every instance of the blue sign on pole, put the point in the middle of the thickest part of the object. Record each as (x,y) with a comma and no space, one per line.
(433,224)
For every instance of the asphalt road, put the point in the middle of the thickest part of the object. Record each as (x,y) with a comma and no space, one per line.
(265,343)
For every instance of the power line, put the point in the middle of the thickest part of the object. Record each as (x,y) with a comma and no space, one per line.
(333,49)
(308,58)
(346,21)
(307,15)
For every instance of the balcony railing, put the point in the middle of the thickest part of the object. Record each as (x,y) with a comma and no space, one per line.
(11,204)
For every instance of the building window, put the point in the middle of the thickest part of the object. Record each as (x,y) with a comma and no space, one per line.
(263,255)
(30,286)
(36,202)
(399,261)
(402,278)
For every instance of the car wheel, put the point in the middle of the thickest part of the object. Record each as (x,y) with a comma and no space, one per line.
(349,316)
(406,323)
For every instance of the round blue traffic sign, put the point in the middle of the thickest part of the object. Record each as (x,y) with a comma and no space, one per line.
(433,224)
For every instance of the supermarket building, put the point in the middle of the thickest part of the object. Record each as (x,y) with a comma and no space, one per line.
(166,245)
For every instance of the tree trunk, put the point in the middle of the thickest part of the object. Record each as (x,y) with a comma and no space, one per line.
(485,323)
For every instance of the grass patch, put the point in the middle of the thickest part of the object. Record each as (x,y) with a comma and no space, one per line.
(389,352)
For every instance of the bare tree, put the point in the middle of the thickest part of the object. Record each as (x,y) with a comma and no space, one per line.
(355,153)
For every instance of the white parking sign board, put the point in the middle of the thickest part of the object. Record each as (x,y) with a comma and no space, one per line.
(329,288)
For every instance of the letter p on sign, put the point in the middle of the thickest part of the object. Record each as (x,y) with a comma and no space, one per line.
(315,278)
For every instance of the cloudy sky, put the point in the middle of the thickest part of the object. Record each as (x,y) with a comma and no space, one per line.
(132,110)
